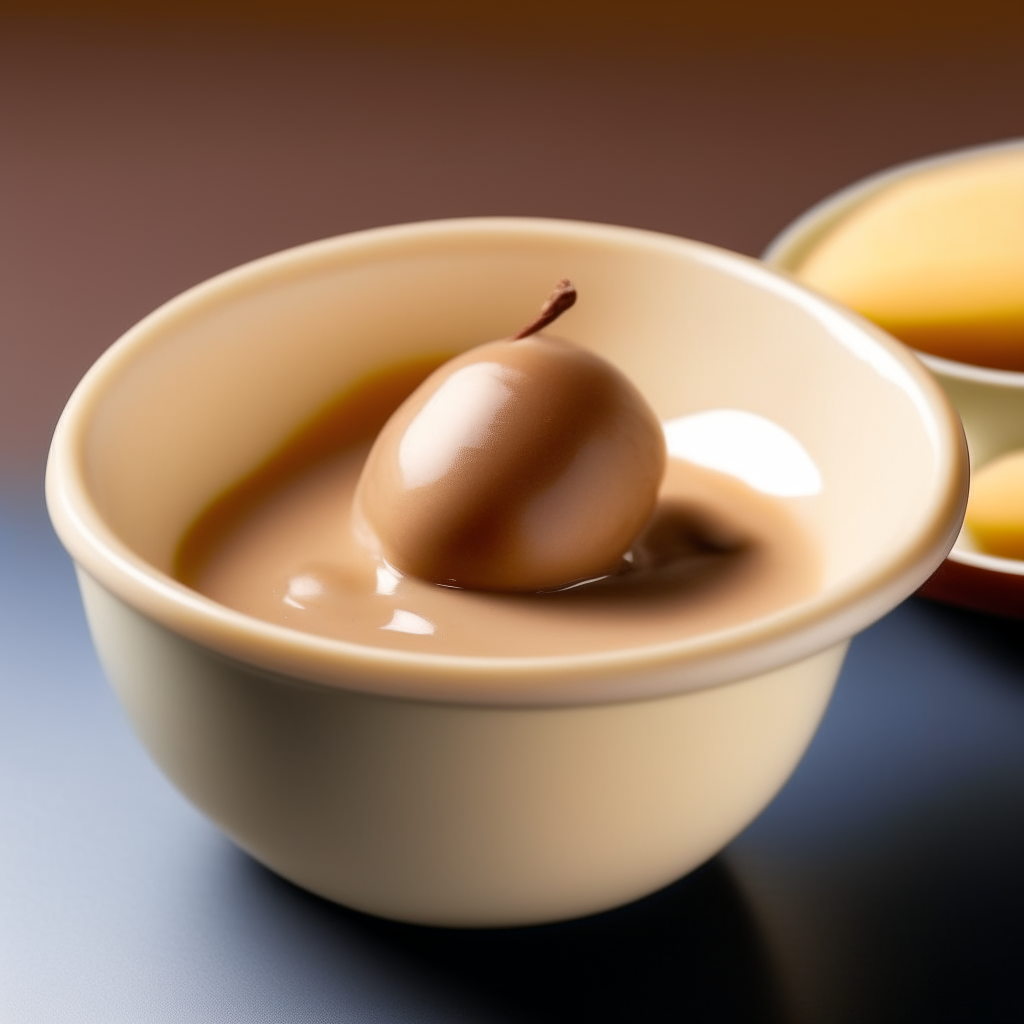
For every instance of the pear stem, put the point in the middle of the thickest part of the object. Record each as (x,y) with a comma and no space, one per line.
(556,304)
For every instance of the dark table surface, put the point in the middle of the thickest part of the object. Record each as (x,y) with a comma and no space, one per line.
(883,884)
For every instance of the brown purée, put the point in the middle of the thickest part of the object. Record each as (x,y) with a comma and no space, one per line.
(280,546)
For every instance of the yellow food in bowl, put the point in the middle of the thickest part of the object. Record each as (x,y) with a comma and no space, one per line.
(937,259)
(995,511)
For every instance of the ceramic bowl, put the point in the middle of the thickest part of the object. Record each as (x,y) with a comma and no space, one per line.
(478,791)
(990,402)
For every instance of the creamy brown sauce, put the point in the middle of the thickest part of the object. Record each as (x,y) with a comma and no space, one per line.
(279,546)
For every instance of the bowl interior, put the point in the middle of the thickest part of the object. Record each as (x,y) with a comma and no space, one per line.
(204,389)
(221,382)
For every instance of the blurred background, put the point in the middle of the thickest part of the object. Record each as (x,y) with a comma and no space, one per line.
(146,146)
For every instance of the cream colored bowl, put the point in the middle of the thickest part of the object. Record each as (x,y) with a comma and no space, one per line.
(487,791)
(990,402)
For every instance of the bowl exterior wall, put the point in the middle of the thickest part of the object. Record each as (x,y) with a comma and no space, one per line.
(448,814)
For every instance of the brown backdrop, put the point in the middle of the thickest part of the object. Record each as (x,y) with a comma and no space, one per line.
(143,148)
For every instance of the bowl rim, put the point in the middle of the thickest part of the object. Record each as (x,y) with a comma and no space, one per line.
(802,234)
(791,634)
